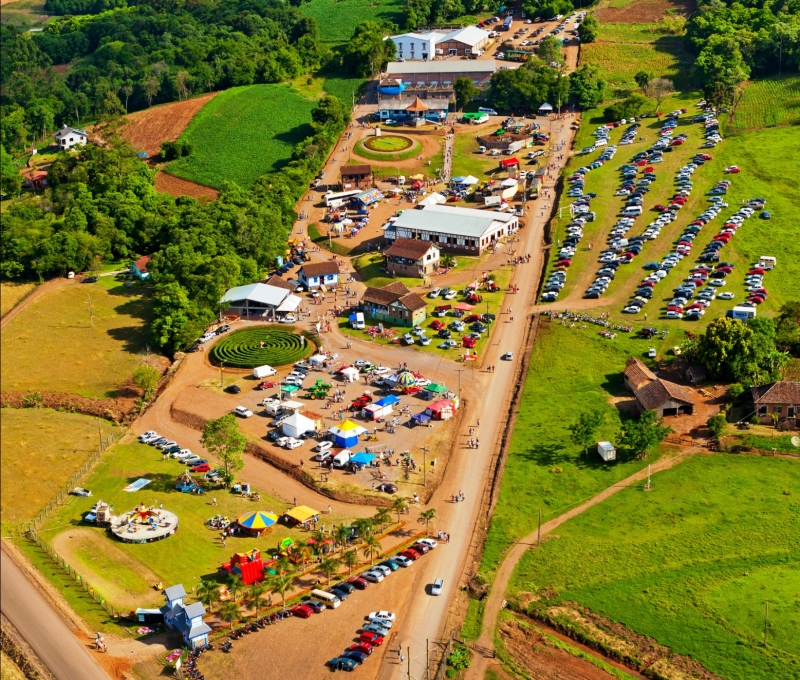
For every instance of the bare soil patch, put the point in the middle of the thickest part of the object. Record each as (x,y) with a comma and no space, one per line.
(145,130)
(175,186)
(644,11)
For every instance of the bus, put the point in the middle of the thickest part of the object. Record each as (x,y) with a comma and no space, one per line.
(330,600)
(507,23)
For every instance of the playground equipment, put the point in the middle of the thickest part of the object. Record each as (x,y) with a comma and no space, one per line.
(248,566)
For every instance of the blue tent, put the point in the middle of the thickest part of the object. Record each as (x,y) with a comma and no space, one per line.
(391,400)
(362,458)
(346,434)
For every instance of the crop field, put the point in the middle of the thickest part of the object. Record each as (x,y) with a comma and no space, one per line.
(344,88)
(52,345)
(338,20)
(24,13)
(622,50)
(691,563)
(12,293)
(41,450)
(243,133)
(768,102)
(122,571)
(270,345)
(571,371)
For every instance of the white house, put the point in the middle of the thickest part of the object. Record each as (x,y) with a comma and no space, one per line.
(314,275)
(68,137)
(188,619)
(416,45)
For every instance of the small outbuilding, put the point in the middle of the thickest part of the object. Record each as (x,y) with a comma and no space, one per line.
(358,176)
(607,451)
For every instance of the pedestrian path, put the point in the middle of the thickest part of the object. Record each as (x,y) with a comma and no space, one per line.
(447,165)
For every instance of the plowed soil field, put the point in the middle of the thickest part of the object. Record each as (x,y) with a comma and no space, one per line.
(175,186)
(147,129)
(643,11)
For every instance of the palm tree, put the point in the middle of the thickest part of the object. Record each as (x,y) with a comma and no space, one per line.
(329,566)
(448,261)
(427,516)
(279,585)
(371,546)
(341,534)
(319,539)
(208,594)
(382,517)
(399,506)
(350,560)
(283,565)
(775,419)
(255,595)
(363,526)
(230,612)
(234,584)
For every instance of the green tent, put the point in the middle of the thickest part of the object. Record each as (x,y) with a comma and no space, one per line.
(289,389)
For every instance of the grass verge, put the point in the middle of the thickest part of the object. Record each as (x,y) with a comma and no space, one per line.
(326,242)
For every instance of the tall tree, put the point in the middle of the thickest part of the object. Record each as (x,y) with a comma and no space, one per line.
(721,69)
(208,594)
(642,435)
(371,547)
(329,566)
(230,612)
(400,505)
(465,91)
(583,430)
(426,517)
(658,89)
(588,29)
(350,560)
(146,378)
(223,439)
(368,51)
(280,585)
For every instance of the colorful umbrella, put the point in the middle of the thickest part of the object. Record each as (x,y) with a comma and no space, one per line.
(258,520)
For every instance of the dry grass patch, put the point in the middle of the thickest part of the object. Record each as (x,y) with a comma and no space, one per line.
(12,293)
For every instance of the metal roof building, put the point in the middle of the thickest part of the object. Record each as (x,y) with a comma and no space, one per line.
(255,299)
(463,230)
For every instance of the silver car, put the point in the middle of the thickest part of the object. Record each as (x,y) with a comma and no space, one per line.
(438,585)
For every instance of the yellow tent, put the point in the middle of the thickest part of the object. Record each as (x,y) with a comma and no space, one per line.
(301,514)
(419,177)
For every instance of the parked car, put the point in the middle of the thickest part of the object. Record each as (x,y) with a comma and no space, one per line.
(233,389)
(303,611)
(243,412)
(383,614)
(342,663)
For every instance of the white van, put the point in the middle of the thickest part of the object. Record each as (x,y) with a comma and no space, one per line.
(358,322)
(767,262)
(483,109)
(601,141)
(328,599)
(262,372)
(632,211)
(342,458)
(206,337)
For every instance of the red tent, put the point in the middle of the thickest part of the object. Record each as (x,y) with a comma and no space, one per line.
(509,162)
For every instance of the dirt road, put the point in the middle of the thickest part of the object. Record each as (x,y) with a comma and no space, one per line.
(42,628)
(513,556)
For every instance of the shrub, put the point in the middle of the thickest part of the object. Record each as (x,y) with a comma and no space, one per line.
(243,349)
(460,658)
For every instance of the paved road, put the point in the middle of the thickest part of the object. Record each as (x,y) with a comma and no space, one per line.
(42,628)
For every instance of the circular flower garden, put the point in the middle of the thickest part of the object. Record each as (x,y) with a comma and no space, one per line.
(388,143)
(251,347)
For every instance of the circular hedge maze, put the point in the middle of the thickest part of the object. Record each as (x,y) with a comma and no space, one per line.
(243,348)
(388,143)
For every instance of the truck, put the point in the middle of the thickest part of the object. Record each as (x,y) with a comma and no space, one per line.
(262,372)
(357,321)
(767,262)
(492,201)
(741,313)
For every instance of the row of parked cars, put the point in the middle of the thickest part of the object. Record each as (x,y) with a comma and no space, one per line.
(171,448)
(379,623)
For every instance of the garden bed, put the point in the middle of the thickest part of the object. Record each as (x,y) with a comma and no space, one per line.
(272,345)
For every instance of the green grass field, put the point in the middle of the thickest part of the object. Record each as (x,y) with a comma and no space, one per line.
(51,346)
(622,50)
(41,450)
(338,20)
(24,13)
(768,102)
(571,370)
(243,133)
(691,563)
(467,160)
(360,149)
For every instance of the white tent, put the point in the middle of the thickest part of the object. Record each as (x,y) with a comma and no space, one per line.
(509,183)
(350,374)
(297,424)
(433,199)
(291,303)
(317,360)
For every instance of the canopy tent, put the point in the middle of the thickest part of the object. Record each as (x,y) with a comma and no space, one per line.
(290,304)
(368,197)
(302,514)
(509,162)
(433,199)
(297,424)
(389,400)
(362,458)
(464,307)
(441,410)
(419,177)
(420,418)
(434,391)
(257,521)
(350,373)
(509,183)
(381,408)
(346,434)
(466,180)
(317,360)
(289,389)
(546,108)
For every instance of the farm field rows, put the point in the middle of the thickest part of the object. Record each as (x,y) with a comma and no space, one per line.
(690,563)
(338,20)
(42,449)
(768,102)
(244,133)
(51,346)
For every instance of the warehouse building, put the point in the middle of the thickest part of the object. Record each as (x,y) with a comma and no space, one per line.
(441,72)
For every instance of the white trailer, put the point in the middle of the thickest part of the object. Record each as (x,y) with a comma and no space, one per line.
(607,451)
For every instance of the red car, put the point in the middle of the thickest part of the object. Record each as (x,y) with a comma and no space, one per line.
(757,270)
(676,142)
(564,263)
(410,554)
(732,171)
(705,157)
(647,284)
(469,343)
(358,582)
(421,548)
(363,647)
(266,385)
(640,164)
(660,208)
(472,318)
(371,638)
(203,467)
(437,325)
(303,611)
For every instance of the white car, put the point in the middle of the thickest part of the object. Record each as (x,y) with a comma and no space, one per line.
(438,585)
(652,353)
(435,293)
(375,577)
(390,616)
(450,295)
(243,412)
(429,542)
(422,382)
(508,356)
(361,363)
(383,570)
(294,380)
(385,623)
(289,318)
(292,443)
(382,370)
(403,561)
(182,454)
(146,436)
(323,446)
(726,296)
(167,445)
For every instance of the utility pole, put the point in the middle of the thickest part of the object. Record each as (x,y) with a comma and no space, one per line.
(766,623)
(424,465)
(427,659)
(408,650)
(89,304)
(459,371)
(221,371)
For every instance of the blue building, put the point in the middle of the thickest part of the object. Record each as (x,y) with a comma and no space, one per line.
(139,268)
(187,619)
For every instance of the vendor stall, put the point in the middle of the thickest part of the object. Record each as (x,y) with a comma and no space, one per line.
(421,419)
(444,409)
(302,515)
(380,409)
(362,459)
(349,373)
(433,391)
(346,434)
(297,424)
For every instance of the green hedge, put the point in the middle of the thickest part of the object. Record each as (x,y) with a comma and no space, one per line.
(242,349)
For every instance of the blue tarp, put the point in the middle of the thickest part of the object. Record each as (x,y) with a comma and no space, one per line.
(362,458)
(388,401)
(138,484)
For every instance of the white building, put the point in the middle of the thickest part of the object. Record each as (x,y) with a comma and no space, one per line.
(68,137)
(414,46)
(425,46)
(455,230)
(259,300)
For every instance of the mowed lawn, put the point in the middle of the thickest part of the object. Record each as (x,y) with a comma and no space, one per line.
(691,563)
(122,571)
(243,133)
(338,20)
(467,160)
(768,102)
(51,345)
(571,371)
(41,450)
(622,50)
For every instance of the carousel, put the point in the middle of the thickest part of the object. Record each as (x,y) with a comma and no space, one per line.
(144,525)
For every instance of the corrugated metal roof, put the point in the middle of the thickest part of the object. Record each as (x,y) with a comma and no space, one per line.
(471,35)
(442,66)
(467,222)
(257,292)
